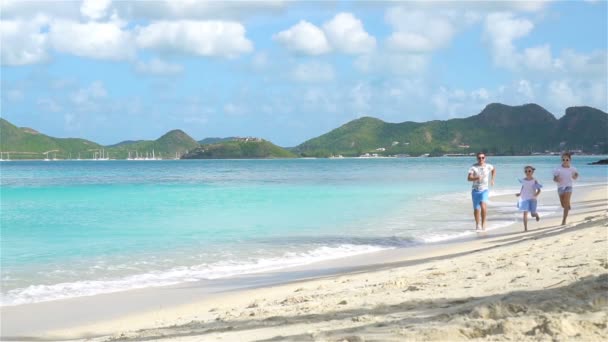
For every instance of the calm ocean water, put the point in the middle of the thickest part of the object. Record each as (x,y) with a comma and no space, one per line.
(77,228)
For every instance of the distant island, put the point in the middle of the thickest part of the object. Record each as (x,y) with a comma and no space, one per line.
(247,148)
(498,129)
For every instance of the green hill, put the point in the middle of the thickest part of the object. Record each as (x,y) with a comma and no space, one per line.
(26,143)
(498,129)
(208,141)
(582,127)
(126,142)
(240,148)
(173,143)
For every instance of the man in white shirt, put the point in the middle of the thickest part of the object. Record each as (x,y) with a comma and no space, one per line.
(480,174)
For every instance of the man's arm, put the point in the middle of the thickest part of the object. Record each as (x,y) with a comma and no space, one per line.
(472,178)
(493,175)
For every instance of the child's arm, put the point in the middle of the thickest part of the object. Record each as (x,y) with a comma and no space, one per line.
(556,176)
(519,193)
(537,187)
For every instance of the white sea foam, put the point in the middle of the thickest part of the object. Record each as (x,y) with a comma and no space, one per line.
(42,293)
(443,237)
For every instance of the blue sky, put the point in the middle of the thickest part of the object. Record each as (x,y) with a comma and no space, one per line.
(289,71)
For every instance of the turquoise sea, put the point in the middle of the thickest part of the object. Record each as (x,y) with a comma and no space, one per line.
(79,228)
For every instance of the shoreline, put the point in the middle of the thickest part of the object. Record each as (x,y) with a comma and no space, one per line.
(332,158)
(153,308)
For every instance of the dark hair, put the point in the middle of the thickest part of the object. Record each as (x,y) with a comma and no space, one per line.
(567,154)
(529,167)
(478,153)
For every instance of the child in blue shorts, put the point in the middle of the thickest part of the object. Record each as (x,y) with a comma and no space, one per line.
(530,189)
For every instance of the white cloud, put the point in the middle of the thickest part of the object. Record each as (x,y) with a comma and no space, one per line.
(94,40)
(360,96)
(95,9)
(318,99)
(480,94)
(158,67)
(476,6)
(313,72)
(69,119)
(525,88)
(304,37)
(392,63)
(232,109)
(598,93)
(562,94)
(529,6)
(539,58)
(22,42)
(420,31)
(195,9)
(86,96)
(592,64)
(49,105)
(260,61)
(458,102)
(203,38)
(500,30)
(20,9)
(346,33)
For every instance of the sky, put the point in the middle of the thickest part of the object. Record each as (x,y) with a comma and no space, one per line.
(289,71)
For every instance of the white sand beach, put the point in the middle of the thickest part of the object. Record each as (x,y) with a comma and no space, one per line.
(550,283)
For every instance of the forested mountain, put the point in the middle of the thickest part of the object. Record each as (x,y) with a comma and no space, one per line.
(498,129)
(253,148)
(173,143)
(208,141)
(26,143)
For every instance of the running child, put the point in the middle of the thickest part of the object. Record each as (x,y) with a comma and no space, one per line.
(530,189)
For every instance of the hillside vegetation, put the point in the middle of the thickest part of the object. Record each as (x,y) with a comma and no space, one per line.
(498,129)
(26,143)
(239,149)
(173,143)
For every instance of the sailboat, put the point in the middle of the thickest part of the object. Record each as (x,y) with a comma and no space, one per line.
(103,155)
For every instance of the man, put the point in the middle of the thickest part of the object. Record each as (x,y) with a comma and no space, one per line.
(479,174)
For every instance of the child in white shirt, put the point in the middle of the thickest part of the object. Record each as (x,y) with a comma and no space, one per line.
(563,176)
(530,189)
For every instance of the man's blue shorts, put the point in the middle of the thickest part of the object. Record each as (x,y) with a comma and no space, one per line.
(478,197)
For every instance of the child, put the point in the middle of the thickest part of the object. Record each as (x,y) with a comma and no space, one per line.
(563,176)
(530,189)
